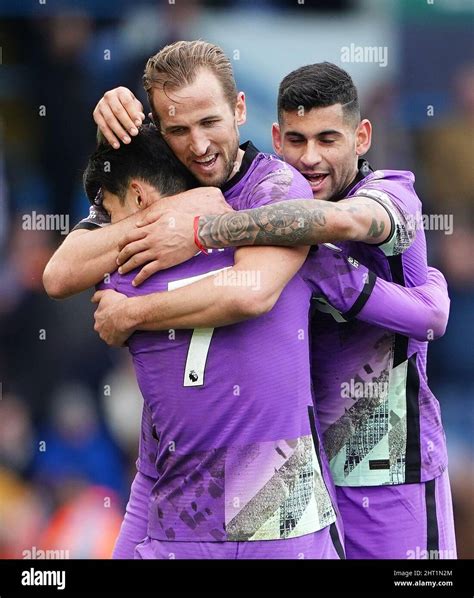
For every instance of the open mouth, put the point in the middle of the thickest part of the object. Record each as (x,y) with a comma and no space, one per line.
(207,163)
(316,180)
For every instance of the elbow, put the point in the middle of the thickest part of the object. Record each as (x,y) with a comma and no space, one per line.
(255,304)
(439,324)
(437,321)
(54,284)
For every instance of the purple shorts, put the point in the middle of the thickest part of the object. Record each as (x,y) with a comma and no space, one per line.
(406,521)
(324,544)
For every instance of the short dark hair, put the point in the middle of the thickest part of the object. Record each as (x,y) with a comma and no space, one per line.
(318,86)
(147,157)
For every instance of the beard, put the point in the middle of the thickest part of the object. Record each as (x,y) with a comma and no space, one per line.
(229,165)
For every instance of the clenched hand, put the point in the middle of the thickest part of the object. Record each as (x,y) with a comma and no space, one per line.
(109,317)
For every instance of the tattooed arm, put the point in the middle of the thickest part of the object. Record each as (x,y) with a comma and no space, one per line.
(299,223)
(287,223)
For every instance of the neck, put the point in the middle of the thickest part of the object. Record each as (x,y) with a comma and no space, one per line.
(237,163)
(349,182)
(353,175)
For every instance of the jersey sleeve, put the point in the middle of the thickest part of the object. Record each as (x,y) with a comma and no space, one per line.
(280,184)
(403,223)
(148,445)
(347,289)
(97,218)
(341,285)
(420,312)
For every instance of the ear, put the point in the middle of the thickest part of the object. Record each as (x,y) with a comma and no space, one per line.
(138,192)
(240,109)
(363,137)
(276,138)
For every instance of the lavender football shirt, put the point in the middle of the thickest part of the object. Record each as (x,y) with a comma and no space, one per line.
(381,422)
(228,429)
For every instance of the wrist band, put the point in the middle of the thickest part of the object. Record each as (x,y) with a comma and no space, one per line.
(197,242)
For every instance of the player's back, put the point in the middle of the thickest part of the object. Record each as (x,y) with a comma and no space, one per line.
(232,412)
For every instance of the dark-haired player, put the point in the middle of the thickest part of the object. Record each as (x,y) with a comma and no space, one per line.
(229,462)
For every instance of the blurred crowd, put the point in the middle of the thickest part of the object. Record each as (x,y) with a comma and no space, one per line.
(69,406)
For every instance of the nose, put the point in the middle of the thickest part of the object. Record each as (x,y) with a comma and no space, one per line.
(311,156)
(199,143)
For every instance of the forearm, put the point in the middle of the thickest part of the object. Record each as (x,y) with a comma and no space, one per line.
(288,223)
(296,222)
(84,258)
(418,312)
(355,292)
(205,304)
(248,289)
(135,523)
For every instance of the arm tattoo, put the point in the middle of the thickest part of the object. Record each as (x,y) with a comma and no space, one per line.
(288,223)
(376,229)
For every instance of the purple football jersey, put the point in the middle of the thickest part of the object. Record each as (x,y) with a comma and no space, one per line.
(381,423)
(228,427)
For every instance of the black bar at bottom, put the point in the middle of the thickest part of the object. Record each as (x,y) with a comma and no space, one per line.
(133,578)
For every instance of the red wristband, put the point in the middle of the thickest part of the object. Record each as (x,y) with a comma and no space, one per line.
(197,242)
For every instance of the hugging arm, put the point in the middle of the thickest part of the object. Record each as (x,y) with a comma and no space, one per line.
(354,291)
(293,223)
(209,302)
(87,255)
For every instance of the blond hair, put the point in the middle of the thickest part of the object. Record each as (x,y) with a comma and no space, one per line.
(178,64)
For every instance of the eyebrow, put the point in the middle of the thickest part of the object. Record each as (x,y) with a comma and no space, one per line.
(320,134)
(210,117)
(172,127)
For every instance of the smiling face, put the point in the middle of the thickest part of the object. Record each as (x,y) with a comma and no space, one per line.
(201,127)
(324,145)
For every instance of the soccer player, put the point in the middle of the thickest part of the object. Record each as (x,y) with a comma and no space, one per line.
(381,422)
(229,452)
(388,448)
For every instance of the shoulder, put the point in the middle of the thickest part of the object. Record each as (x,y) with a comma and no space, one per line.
(270,166)
(272,175)
(97,218)
(391,186)
(394,190)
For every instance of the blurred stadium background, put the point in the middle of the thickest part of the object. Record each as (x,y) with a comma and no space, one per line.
(70,407)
